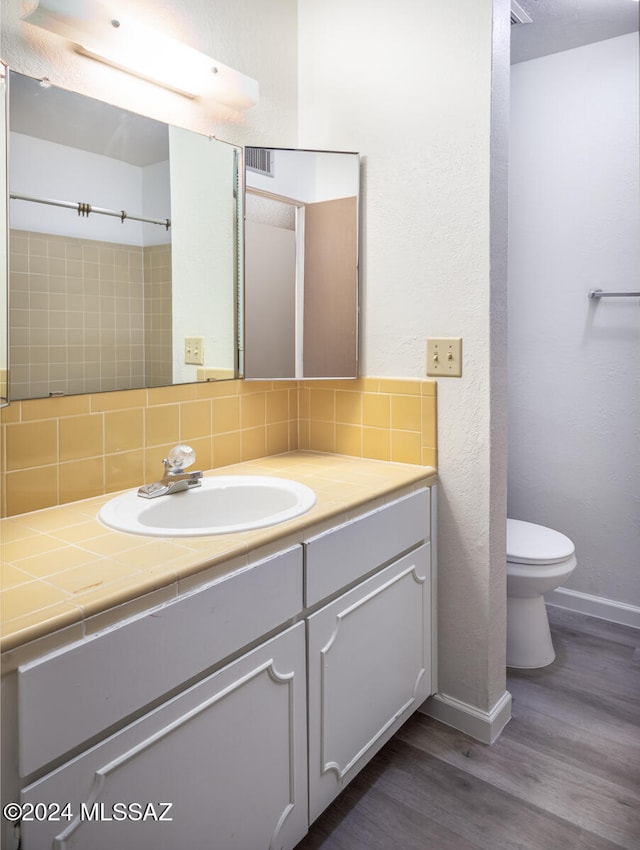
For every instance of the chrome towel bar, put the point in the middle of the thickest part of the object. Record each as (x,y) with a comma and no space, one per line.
(599,293)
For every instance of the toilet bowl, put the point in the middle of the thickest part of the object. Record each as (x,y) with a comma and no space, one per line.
(539,559)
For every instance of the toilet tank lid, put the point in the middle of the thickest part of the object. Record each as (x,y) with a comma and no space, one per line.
(528,543)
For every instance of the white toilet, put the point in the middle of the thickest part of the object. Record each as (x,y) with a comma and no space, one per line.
(539,559)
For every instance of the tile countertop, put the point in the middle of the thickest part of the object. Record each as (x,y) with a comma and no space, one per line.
(62,569)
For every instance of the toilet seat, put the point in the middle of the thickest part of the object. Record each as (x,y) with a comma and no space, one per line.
(528,543)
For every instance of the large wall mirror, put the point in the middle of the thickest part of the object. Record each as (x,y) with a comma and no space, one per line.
(301,263)
(125,248)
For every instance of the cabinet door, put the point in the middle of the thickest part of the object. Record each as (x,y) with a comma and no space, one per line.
(369,667)
(228,754)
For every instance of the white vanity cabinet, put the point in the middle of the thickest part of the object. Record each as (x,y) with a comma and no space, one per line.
(221,766)
(229,717)
(370,649)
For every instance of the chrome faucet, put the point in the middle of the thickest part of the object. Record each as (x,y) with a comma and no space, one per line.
(175,479)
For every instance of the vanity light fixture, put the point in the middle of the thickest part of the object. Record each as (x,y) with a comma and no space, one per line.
(126,44)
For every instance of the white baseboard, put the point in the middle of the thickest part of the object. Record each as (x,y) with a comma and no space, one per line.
(484,726)
(595,606)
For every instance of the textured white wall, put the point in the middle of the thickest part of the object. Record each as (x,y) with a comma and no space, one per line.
(409,85)
(574,447)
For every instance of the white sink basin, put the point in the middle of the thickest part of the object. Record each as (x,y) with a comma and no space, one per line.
(223,504)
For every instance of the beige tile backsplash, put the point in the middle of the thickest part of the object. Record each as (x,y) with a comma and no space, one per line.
(58,450)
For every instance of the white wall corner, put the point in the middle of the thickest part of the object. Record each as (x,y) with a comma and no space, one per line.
(484,726)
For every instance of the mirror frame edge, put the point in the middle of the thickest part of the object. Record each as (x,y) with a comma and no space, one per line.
(5,400)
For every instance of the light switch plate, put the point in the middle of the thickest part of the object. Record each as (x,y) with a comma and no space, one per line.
(194,351)
(444,357)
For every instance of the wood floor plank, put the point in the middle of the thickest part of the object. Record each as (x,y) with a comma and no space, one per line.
(478,810)
(605,717)
(366,817)
(521,768)
(597,666)
(612,754)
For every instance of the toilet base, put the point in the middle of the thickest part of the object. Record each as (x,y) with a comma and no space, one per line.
(529,642)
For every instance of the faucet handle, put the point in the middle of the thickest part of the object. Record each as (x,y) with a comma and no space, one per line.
(180,457)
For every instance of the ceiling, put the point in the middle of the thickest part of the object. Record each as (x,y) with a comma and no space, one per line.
(564,24)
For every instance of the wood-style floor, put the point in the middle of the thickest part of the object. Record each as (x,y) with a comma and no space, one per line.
(564,774)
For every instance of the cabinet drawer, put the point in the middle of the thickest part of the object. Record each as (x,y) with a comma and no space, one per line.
(72,695)
(338,557)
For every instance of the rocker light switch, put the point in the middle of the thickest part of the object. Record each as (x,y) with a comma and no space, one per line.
(444,357)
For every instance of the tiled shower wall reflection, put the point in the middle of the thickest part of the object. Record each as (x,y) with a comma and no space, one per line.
(78,315)
(158,353)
